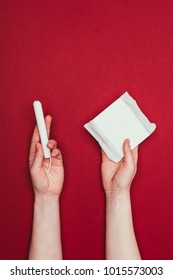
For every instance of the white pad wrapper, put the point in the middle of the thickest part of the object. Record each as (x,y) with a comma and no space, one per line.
(122,119)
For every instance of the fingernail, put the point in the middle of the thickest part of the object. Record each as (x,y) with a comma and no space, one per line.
(128,142)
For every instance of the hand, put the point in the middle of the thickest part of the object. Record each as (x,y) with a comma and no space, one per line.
(44,181)
(117,177)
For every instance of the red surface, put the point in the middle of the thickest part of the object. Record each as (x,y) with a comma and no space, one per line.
(77,57)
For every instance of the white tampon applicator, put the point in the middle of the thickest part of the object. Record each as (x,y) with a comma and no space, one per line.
(42,129)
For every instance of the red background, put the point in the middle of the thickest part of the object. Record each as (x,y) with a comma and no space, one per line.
(77,57)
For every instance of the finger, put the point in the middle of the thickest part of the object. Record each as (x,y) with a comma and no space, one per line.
(37,164)
(52,144)
(56,153)
(128,157)
(135,155)
(103,152)
(104,156)
(35,136)
(48,121)
(35,139)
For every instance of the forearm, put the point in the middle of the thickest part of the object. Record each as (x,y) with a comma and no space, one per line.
(120,237)
(46,235)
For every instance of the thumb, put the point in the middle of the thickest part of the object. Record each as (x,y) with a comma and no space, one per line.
(38,157)
(104,156)
(128,157)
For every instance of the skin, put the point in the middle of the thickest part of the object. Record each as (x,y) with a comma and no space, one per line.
(117,178)
(47,186)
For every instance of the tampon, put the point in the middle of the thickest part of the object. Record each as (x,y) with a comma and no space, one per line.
(42,128)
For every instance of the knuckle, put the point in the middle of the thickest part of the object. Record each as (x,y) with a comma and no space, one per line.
(32,171)
(132,167)
(53,142)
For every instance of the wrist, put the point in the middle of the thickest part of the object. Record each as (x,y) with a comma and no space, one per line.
(117,194)
(46,198)
(117,203)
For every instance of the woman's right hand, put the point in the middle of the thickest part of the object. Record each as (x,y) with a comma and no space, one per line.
(117,177)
